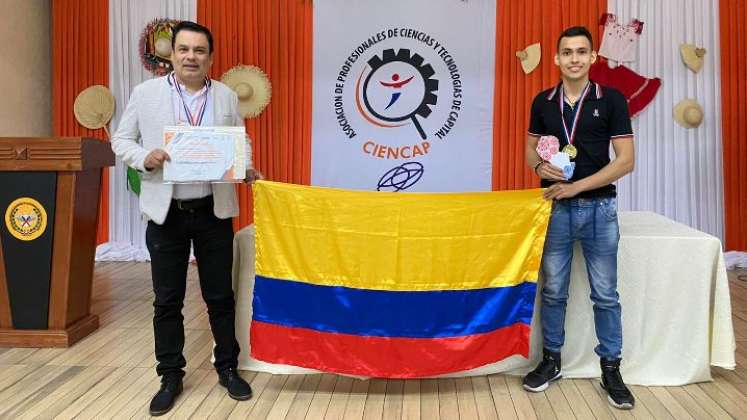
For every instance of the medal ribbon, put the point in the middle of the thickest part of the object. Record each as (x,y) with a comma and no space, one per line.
(561,97)
(193,120)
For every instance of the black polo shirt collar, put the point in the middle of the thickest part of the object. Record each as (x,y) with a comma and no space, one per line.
(595,92)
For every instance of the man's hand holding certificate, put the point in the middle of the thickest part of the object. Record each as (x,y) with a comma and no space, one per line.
(204,154)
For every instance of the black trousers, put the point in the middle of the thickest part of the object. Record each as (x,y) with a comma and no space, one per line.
(169,246)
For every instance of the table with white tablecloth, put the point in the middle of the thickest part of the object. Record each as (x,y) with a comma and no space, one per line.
(673,289)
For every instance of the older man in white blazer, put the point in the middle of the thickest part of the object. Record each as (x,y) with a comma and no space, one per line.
(185,214)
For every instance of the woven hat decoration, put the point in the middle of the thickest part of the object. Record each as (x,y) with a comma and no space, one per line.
(155,46)
(530,57)
(688,113)
(251,86)
(692,56)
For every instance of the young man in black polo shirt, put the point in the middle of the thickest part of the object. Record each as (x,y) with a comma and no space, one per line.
(586,118)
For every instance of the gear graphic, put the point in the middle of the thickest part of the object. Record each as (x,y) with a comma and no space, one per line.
(426,72)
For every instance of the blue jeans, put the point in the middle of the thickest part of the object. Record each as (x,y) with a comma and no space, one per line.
(594,223)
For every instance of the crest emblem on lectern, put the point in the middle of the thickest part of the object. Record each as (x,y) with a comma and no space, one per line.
(26,219)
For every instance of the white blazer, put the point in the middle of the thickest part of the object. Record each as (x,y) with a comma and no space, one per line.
(141,130)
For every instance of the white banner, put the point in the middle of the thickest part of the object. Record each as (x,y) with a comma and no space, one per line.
(403,94)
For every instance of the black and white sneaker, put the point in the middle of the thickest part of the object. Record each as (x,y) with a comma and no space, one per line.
(547,371)
(618,394)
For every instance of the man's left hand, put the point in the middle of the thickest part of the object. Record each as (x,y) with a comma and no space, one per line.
(253,175)
(561,190)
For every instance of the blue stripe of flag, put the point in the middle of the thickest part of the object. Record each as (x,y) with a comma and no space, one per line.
(417,314)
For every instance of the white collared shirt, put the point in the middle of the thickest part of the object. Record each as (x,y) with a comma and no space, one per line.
(194,102)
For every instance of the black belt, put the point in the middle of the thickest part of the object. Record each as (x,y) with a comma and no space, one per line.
(192,204)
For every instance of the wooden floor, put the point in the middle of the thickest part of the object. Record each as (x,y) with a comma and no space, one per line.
(110,375)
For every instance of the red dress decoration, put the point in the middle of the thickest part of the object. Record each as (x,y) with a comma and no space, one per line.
(638,90)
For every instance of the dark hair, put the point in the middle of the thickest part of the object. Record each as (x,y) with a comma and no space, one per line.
(186,25)
(576,31)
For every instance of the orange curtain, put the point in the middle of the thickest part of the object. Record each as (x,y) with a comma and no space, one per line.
(276,36)
(733,14)
(80,58)
(519,24)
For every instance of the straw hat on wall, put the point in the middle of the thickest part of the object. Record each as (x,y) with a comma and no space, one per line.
(530,57)
(688,113)
(251,86)
(692,56)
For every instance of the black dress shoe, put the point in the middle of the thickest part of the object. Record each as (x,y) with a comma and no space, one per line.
(238,388)
(165,397)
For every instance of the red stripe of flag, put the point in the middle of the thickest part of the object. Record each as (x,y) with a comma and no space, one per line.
(387,357)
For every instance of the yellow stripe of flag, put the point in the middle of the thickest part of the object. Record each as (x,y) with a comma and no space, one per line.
(399,241)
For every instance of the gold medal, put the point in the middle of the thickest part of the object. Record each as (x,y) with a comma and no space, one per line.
(570,150)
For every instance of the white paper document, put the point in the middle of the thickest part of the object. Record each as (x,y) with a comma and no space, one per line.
(204,154)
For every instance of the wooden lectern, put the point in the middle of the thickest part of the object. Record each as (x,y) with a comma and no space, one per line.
(49,199)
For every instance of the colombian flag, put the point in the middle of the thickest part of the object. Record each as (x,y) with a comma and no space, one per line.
(394,285)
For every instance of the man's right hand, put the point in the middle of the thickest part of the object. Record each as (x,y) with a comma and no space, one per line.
(155,159)
(549,171)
